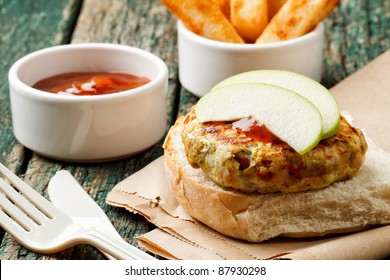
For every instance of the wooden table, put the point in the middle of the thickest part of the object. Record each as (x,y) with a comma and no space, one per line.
(356,32)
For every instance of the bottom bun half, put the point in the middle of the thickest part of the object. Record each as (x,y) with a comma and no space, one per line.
(347,206)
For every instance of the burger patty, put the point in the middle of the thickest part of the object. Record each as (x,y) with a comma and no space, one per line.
(247,157)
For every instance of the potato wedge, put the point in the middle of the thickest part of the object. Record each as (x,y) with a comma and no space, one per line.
(274,6)
(296,18)
(204,18)
(249,18)
(224,6)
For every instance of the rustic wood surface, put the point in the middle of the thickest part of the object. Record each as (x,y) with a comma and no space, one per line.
(356,32)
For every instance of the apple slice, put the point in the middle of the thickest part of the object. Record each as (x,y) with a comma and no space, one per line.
(288,115)
(308,88)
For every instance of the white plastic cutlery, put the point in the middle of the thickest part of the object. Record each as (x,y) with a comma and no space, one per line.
(68,195)
(41,227)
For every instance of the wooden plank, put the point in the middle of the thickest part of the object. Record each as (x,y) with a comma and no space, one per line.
(356,33)
(24,29)
(142,24)
(26,26)
(146,25)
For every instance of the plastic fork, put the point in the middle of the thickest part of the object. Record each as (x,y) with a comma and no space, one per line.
(41,227)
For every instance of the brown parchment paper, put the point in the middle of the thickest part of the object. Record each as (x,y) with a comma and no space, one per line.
(365,95)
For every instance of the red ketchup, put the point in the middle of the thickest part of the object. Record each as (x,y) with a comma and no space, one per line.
(90,83)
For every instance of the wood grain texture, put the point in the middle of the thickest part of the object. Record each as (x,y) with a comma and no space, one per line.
(26,26)
(356,32)
(142,24)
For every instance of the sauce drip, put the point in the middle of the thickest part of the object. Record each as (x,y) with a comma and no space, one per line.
(90,83)
(251,129)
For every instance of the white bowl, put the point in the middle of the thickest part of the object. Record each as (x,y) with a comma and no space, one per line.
(204,62)
(88,128)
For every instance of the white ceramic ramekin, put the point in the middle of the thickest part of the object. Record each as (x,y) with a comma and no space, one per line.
(88,128)
(204,62)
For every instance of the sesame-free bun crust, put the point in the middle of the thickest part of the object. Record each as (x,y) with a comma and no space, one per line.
(342,207)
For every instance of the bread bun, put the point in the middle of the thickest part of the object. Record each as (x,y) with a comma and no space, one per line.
(342,207)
